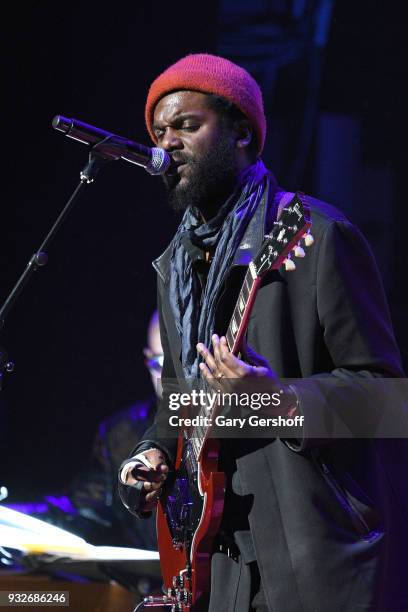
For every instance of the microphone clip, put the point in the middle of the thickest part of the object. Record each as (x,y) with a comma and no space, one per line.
(101,154)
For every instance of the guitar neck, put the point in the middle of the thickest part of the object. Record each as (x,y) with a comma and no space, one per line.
(292,225)
(243,307)
(236,330)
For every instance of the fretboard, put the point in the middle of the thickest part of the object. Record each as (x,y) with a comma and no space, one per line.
(242,310)
(234,336)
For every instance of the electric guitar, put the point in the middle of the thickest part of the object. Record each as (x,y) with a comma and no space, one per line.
(191,506)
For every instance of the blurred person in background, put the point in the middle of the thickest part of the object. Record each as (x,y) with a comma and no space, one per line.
(90,506)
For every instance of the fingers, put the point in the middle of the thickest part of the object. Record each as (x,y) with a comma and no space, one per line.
(129,479)
(208,367)
(142,473)
(205,370)
(151,493)
(154,457)
(152,487)
(209,360)
(153,481)
(150,467)
(224,359)
(221,363)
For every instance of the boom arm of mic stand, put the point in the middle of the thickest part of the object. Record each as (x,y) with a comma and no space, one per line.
(96,161)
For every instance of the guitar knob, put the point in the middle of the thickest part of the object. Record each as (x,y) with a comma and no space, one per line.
(183,596)
(178,581)
(299,252)
(309,240)
(289,265)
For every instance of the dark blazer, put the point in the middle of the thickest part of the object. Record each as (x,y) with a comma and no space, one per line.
(328,525)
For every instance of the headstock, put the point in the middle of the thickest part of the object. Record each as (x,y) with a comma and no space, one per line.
(292,227)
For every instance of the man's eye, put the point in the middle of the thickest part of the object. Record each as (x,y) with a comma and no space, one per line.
(190,128)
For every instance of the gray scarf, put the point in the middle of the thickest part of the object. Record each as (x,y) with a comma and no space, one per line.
(221,235)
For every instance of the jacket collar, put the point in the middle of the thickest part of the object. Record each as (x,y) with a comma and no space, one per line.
(248,248)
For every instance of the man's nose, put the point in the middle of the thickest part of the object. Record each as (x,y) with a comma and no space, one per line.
(171,140)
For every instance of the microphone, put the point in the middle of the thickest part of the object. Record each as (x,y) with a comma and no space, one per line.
(154,160)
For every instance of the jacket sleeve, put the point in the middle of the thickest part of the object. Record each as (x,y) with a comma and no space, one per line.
(357,332)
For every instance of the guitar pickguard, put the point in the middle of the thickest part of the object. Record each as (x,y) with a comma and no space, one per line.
(183,502)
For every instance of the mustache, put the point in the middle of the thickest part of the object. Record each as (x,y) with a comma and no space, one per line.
(176,161)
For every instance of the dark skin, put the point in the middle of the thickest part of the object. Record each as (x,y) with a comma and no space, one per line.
(187,128)
(184,126)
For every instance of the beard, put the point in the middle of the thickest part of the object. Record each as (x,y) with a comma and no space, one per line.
(210,180)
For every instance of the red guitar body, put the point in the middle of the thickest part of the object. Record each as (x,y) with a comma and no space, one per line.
(185,553)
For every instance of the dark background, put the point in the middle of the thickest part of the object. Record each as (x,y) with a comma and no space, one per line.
(332,75)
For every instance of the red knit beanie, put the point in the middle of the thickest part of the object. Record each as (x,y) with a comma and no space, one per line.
(211,74)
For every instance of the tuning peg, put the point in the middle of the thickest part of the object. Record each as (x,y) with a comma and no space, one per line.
(309,240)
(289,264)
(298,251)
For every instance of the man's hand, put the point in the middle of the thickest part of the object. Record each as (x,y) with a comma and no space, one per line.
(153,473)
(222,364)
(225,371)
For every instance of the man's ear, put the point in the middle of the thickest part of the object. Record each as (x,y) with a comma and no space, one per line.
(245,133)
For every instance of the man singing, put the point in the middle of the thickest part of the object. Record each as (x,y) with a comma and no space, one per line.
(310,523)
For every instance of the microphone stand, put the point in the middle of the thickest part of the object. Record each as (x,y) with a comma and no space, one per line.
(98,157)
